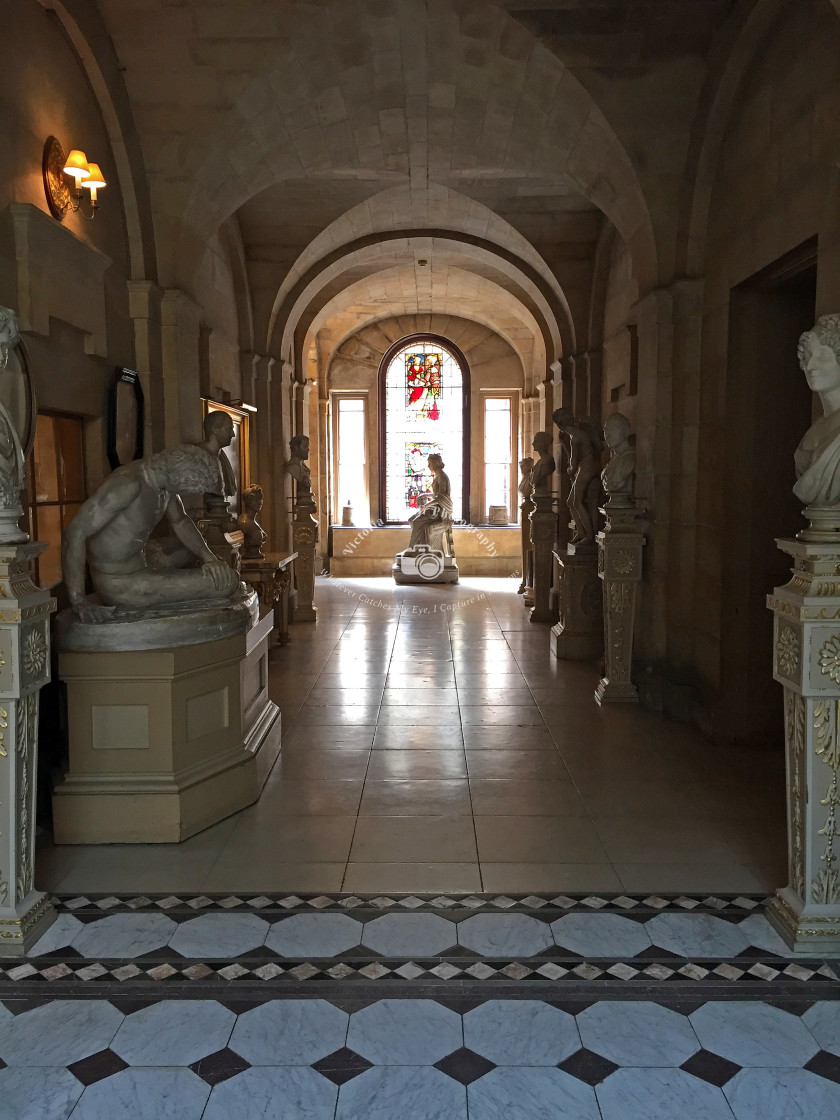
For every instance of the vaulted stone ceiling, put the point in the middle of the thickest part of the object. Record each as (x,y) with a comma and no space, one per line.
(320,127)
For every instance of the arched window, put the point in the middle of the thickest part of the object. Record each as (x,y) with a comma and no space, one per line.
(423,408)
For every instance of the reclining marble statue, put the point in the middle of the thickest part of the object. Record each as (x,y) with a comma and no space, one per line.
(110,533)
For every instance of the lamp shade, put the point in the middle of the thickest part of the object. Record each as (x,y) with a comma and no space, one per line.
(94,177)
(77,165)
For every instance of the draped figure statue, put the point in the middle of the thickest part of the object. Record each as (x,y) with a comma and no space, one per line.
(434,521)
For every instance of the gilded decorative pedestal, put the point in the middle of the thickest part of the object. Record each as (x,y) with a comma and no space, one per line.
(271,577)
(305,537)
(620,548)
(806,662)
(578,635)
(24,668)
(543,535)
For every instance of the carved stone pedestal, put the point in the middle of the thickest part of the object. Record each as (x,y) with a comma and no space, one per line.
(806,662)
(578,635)
(305,537)
(543,535)
(165,742)
(271,577)
(526,587)
(620,568)
(24,668)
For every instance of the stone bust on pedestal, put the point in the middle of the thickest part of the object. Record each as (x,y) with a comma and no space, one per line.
(617,475)
(253,532)
(817,458)
(544,468)
(297,467)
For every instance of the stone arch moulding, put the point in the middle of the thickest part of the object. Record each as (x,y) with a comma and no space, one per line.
(566,131)
(387,358)
(301,304)
(84,27)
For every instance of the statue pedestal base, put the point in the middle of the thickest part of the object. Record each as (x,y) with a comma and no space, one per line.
(271,577)
(806,662)
(620,548)
(411,566)
(543,534)
(305,537)
(25,913)
(578,636)
(164,743)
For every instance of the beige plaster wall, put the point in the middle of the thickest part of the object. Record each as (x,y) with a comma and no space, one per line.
(45,92)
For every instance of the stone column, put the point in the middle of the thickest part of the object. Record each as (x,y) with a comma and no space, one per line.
(305,538)
(620,547)
(543,530)
(144,305)
(24,668)
(806,662)
(181,335)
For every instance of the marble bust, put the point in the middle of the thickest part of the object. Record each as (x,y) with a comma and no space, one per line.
(112,528)
(526,465)
(817,458)
(544,468)
(296,466)
(617,475)
(218,434)
(252,531)
(584,470)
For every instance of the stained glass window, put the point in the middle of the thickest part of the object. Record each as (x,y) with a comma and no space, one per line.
(424,413)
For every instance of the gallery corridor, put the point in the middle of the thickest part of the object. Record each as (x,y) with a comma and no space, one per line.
(432,743)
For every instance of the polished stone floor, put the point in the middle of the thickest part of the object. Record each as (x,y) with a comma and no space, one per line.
(432,743)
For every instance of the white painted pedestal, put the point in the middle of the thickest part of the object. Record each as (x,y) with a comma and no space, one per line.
(24,668)
(164,743)
(806,662)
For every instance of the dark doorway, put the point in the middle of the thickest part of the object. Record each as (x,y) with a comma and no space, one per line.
(769,407)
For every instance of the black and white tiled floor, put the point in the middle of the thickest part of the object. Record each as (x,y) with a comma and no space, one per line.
(433,1008)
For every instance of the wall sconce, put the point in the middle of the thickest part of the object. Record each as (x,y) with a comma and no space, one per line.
(87,176)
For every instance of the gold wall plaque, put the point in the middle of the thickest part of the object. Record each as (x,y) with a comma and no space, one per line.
(55,185)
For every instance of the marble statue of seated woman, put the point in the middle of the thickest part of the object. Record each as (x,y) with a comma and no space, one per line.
(432,525)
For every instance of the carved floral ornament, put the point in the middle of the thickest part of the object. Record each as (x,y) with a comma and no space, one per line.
(829,658)
(34,652)
(624,562)
(787,651)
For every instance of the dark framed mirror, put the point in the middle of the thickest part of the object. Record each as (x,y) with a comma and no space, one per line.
(125,418)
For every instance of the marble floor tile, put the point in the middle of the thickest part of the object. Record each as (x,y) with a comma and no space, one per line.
(145,1094)
(313,838)
(289,1032)
(510,715)
(405,1032)
(696,935)
(58,936)
(505,935)
(535,1093)
(410,935)
(512,877)
(634,840)
(429,797)
(124,935)
(358,736)
(600,935)
(340,715)
(753,1034)
(781,1094)
(522,765)
(514,839)
(414,839)
(322,797)
(730,878)
(247,873)
(384,1093)
(419,738)
(316,763)
(660,1094)
(522,1032)
(478,738)
(407,765)
(59,1033)
(219,935)
(420,878)
(637,1033)
(823,1021)
(49,1093)
(314,935)
(273,1093)
(531,798)
(173,1032)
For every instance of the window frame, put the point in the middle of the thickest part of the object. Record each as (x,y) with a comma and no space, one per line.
(511,395)
(336,396)
(388,357)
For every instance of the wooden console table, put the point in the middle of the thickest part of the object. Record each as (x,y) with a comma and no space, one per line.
(271,579)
